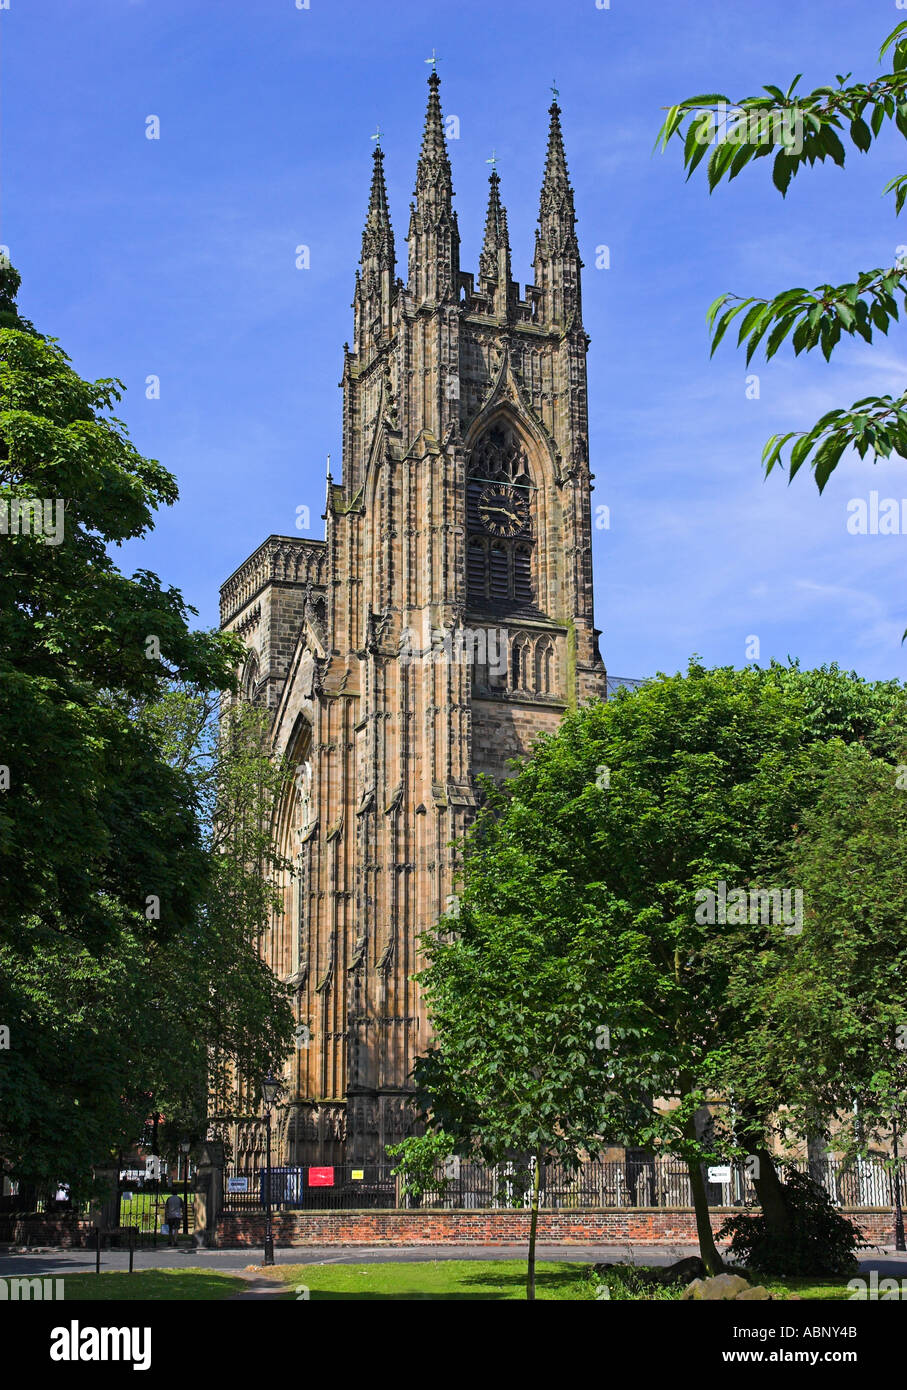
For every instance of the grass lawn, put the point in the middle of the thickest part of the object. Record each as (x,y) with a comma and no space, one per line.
(464,1279)
(431,1279)
(809,1287)
(184,1285)
(483,1279)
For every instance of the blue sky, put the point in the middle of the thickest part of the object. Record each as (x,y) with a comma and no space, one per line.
(176,258)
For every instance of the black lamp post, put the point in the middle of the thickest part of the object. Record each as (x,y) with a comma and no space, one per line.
(269,1088)
(185,1146)
(899,1242)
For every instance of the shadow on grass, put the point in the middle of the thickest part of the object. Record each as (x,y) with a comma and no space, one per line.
(402,1296)
(569,1277)
(152,1285)
(564,1283)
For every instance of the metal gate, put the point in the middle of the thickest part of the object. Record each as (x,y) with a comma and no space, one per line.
(142,1206)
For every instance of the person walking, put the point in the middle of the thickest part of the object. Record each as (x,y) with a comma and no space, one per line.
(173,1212)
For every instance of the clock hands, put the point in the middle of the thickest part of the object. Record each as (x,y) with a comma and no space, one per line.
(505,511)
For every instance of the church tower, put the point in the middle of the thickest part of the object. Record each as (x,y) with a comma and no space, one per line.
(444,622)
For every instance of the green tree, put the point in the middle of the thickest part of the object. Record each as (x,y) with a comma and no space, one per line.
(826,1011)
(579,921)
(800,128)
(102,865)
(514,1076)
(241,1020)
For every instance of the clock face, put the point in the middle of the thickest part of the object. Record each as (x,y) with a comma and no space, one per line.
(503,511)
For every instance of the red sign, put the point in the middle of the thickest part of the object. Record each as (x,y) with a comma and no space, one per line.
(321,1177)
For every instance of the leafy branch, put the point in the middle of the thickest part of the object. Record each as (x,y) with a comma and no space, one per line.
(878,423)
(805,128)
(816,318)
(802,128)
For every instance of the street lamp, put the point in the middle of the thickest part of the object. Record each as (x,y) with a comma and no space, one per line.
(185,1146)
(899,1242)
(269,1088)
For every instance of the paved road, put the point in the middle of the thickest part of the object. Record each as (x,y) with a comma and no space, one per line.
(61,1262)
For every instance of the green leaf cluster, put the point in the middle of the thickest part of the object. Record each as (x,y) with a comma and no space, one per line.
(755,127)
(111,970)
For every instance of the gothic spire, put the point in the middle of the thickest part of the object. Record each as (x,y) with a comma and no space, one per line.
(434,240)
(556,176)
(375,281)
(496,238)
(494,262)
(378,235)
(556,211)
(433,157)
(557,259)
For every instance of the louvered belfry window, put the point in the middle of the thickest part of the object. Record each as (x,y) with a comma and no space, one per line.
(499,569)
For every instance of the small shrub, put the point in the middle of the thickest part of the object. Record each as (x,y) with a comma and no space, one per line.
(418,1158)
(636,1283)
(821,1240)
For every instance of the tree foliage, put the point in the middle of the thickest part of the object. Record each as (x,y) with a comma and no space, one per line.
(800,128)
(105,971)
(826,1012)
(242,1022)
(579,982)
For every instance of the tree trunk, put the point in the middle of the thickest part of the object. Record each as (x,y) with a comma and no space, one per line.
(708,1250)
(533,1227)
(768,1186)
(770,1191)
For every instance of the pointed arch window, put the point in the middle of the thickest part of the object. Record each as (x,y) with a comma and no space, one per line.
(287,942)
(545,673)
(520,652)
(499,507)
(250,677)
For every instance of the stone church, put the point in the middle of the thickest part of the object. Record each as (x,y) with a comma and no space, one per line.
(443,622)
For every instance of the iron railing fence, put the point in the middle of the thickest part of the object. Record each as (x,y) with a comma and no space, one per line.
(44,1198)
(27,1205)
(656,1182)
(343,1187)
(142,1206)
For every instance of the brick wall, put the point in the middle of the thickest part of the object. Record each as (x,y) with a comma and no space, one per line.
(643,1226)
(61,1231)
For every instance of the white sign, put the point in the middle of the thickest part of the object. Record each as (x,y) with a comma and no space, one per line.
(722,1173)
(237,1184)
